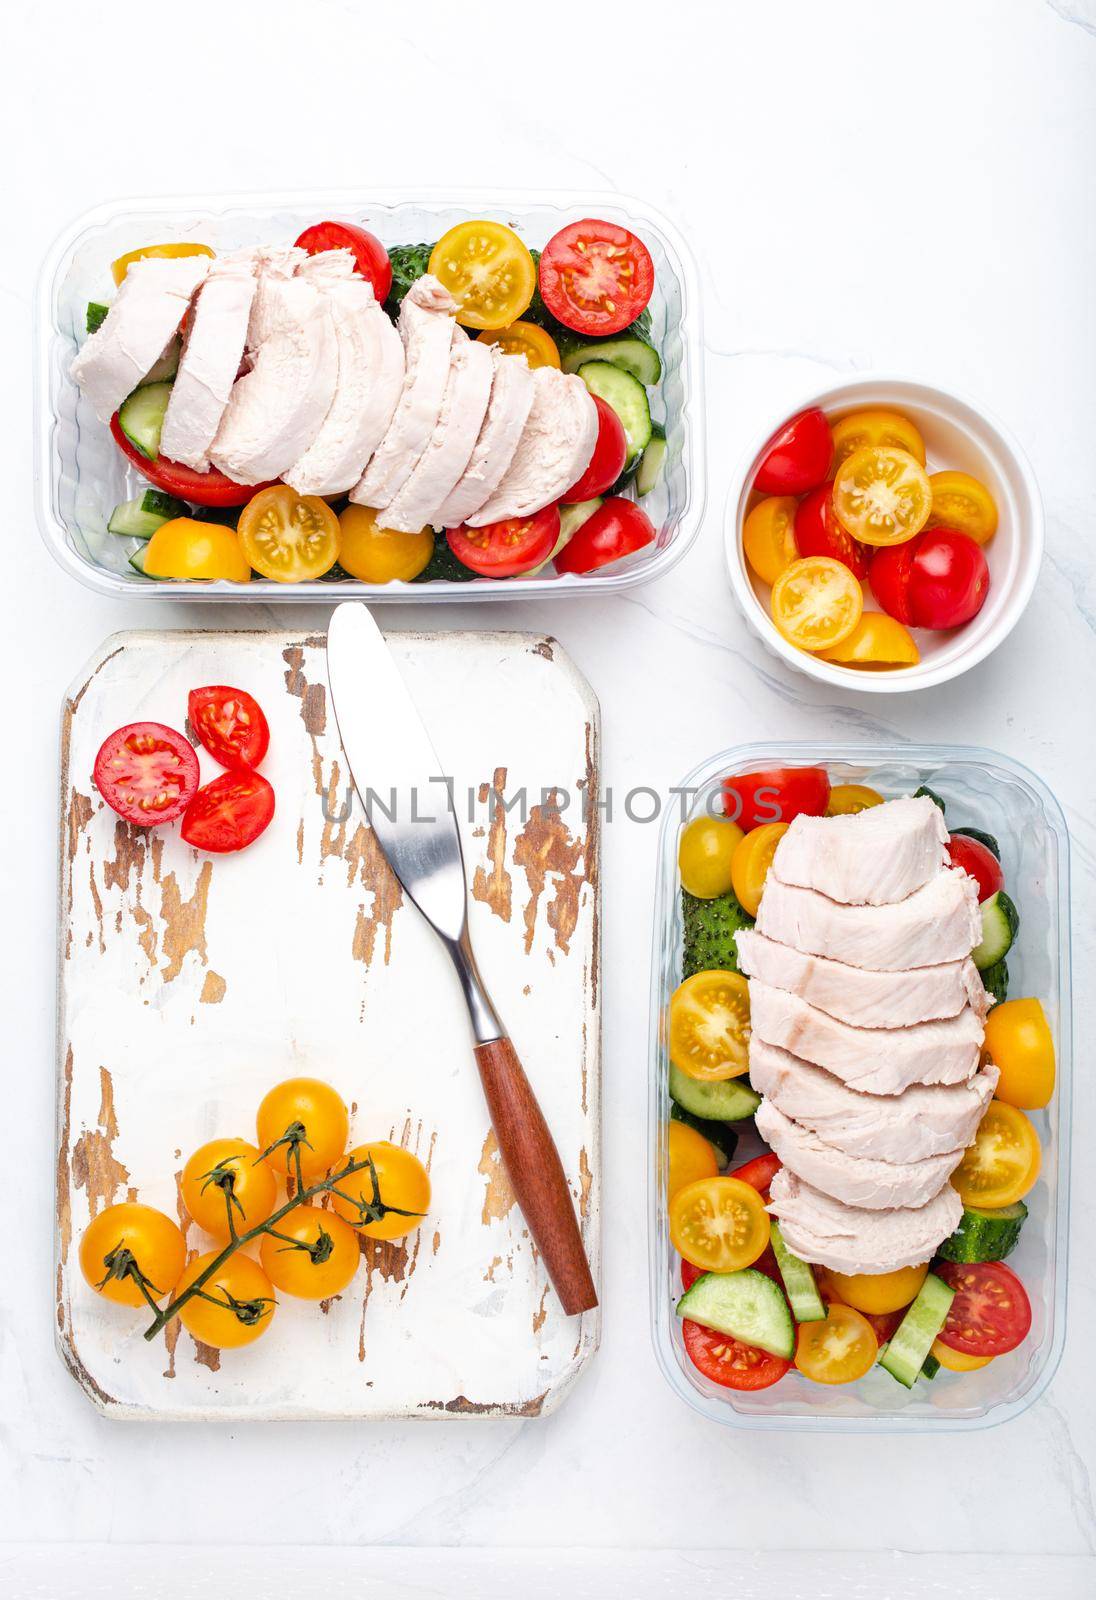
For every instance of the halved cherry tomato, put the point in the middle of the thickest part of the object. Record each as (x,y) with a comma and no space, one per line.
(816,603)
(881,495)
(778,794)
(848,798)
(797,457)
(948,579)
(873,427)
(503,549)
(876,641)
(617,528)
(607,462)
(370,256)
(689,1274)
(889,577)
(768,537)
(710,1026)
(488,271)
(719,1224)
(818,533)
(147,773)
(171,252)
(838,1350)
(884,1324)
(961,502)
(186,547)
(704,856)
(1019,1043)
(210,488)
(879,1293)
(1002,1165)
(751,861)
(991,1313)
(230,723)
(229,813)
(289,537)
(972,857)
(957,1360)
(381,555)
(759,1174)
(691,1157)
(596,277)
(725,1361)
(526,339)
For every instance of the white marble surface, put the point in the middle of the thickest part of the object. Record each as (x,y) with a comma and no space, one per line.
(865,184)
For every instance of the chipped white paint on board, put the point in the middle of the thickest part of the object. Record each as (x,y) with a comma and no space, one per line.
(190,984)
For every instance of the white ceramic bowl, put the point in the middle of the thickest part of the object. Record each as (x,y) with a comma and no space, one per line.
(960,435)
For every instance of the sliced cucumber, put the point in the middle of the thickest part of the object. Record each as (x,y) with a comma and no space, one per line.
(137,561)
(983,838)
(141,417)
(139,519)
(628,398)
(905,1354)
(652,461)
(744,1305)
(985,1235)
(931,794)
(571,519)
(634,356)
(728,1101)
(995,979)
(931,1367)
(95,316)
(1000,922)
(799,1284)
(166,366)
(721,1138)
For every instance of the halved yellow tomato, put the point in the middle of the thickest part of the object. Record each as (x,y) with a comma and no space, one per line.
(957,1360)
(488,271)
(882,495)
(691,1157)
(877,1293)
(526,339)
(188,548)
(1019,1043)
(751,861)
(961,502)
(710,1026)
(874,427)
(816,602)
(704,856)
(876,641)
(287,536)
(1002,1165)
(380,555)
(847,798)
(172,252)
(719,1224)
(768,537)
(838,1350)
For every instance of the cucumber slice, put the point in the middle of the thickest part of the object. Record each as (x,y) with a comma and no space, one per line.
(930,1368)
(729,1101)
(985,1235)
(139,519)
(628,398)
(1000,921)
(995,979)
(722,1139)
(167,365)
(932,795)
(571,519)
(799,1284)
(137,561)
(905,1354)
(983,838)
(95,316)
(141,417)
(744,1305)
(634,356)
(652,461)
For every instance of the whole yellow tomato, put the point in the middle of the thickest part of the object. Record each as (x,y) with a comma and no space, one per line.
(129,1239)
(389,1196)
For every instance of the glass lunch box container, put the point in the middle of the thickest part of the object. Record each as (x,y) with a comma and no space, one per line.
(80,475)
(982,789)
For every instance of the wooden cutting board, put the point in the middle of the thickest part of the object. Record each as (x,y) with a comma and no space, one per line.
(190,984)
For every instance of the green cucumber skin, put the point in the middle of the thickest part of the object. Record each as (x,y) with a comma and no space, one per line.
(627,397)
(743,1305)
(722,1138)
(911,1343)
(730,1101)
(95,316)
(651,462)
(981,838)
(634,356)
(141,417)
(1000,925)
(798,1279)
(995,980)
(985,1235)
(931,794)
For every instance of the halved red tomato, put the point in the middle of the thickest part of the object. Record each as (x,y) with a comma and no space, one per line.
(759,1174)
(370,256)
(503,549)
(972,857)
(210,488)
(818,532)
(689,1273)
(146,772)
(596,277)
(616,529)
(884,1324)
(727,1362)
(607,461)
(777,795)
(991,1313)
(798,455)
(229,813)
(230,723)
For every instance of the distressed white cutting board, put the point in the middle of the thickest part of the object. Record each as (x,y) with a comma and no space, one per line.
(190,984)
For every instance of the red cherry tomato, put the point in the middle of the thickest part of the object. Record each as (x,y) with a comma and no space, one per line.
(596,277)
(991,1313)
(616,528)
(884,1324)
(503,549)
(147,773)
(766,1261)
(607,461)
(229,813)
(759,1174)
(982,865)
(798,455)
(777,795)
(949,579)
(210,488)
(689,1274)
(370,256)
(230,723)
(725,1361)
(818,532)
(889,576)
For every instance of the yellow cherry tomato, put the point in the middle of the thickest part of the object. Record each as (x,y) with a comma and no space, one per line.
(838,1350)
(235,1306)
(882,495)
(306,1111)
(1002,1165)
(1019,1043)
(188,548)
(488,271)
(120,267)
(847,798)
(719,1224)
(704,856)
(876,641)
(312,1255)
(881,1292)
(751,861)
(287,536)
(526,339)
(961,502)
(393,1205)
(381,555)
(225,1175)
(957,1360)
(874,427)
(132,1236)
(768,537)
(691,1157)
(816,602)
(710,1026)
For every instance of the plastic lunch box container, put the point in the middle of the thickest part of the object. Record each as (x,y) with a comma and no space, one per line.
(80,474)
(982,789)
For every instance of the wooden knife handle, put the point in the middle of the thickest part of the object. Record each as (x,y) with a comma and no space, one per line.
(536,1174)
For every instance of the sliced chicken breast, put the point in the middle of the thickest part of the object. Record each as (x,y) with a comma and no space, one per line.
(426,324)
(938,922)
(857,1180)
(462,412)
(152,300)
(828,1233)
(210,362)
(274,264)
(369,383)
(554,450)
(507,413)
(926,1120)
(276,410)
(858,995)
(874,1060)
(872,857)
